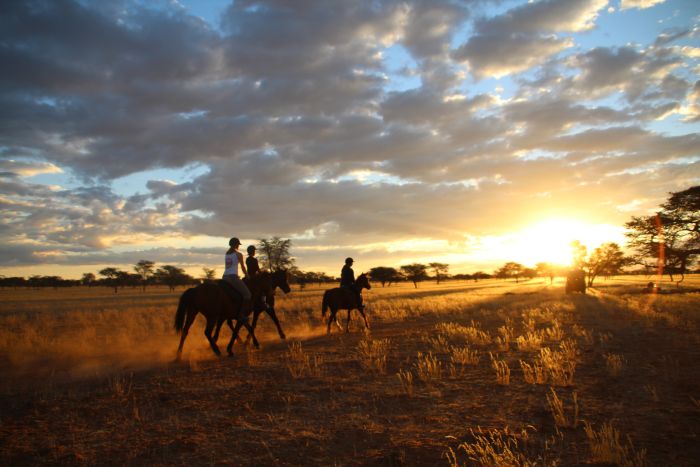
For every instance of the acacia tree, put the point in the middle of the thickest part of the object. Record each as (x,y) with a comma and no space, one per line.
(112,276)
(510,269)
(384,275)
(579,251)
(439,268)
(607,260)
(208,274)
(274,253)
(415,272)
(172,276)
(671,238)
(144,268)
(546,270)
(87,279)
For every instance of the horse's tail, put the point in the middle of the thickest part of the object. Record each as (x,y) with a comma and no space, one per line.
(324,306)
(182,307)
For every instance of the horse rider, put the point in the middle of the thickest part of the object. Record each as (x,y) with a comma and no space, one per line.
(233,259)
(347,281)
(251,262)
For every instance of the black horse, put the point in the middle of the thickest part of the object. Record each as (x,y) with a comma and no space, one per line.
(214,303)
(342,298)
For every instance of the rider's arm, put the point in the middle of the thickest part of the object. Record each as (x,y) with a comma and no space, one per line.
(241,262)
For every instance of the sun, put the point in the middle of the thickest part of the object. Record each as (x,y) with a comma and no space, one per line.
(549,241)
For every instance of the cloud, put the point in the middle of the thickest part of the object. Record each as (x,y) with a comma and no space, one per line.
(525,35)
(289,110)
(639,4)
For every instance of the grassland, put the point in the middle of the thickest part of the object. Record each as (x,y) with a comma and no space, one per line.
(461,373)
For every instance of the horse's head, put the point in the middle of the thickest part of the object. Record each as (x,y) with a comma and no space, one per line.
(280,279)
(362,281)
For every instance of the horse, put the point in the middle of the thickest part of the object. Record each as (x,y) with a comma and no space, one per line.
(210,299)
(263,285)
(342,298)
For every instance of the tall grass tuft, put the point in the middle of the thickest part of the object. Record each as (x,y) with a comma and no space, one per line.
(300,363)
(502,370)
(373,354)
(556,406)
(428,367)
(614,363)
(606,447)
(493,448)
(406,380)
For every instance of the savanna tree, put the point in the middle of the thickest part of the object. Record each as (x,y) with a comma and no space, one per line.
(384,275)
(415,272)
(671,238)
(274,253)
(439,268)
(608,260)
(144,268)
(111,277)
(510,269)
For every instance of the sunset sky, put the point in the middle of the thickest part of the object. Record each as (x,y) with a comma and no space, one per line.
(470,133)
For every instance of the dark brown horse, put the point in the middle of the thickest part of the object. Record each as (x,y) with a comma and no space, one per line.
(262,287)
(214,303)
(342,298)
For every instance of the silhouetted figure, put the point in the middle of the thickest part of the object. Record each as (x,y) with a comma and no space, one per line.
(347,280)
(251,262)
(233,259)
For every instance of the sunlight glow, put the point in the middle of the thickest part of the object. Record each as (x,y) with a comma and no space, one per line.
(550,241)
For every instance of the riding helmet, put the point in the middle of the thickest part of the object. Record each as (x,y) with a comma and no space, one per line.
(234,242)
(349,260)
(250,249)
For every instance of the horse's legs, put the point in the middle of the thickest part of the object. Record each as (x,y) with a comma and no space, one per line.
(362,312)
(251,332)
(234,335)
(271,312)
(218,329)
(330,320)
(212,342)
(256,315)
(347,325)
(185,329)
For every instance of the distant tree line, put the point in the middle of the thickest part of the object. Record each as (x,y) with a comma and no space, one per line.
(145,274)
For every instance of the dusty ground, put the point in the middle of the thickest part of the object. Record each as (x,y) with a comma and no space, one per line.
(94,382)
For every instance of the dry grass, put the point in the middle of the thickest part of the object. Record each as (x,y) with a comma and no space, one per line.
(606,447)
(373,354)
(556,407)
(89,375)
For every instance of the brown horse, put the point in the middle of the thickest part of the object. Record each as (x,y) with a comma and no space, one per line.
(262,288)
(342,298)
(214,303)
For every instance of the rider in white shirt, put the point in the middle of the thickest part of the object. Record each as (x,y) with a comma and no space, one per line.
(234,258)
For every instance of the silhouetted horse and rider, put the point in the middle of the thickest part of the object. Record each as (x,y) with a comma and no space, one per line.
(230,299)
(346,297)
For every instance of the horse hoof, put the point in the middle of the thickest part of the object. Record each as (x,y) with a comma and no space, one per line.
(282,336)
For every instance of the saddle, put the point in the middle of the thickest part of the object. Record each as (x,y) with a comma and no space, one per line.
(231,292)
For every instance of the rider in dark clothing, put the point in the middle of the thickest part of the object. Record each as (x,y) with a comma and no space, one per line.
(251,262)
(347,280)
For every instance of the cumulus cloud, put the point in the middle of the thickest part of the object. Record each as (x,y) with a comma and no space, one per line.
(291,111)
(525,35)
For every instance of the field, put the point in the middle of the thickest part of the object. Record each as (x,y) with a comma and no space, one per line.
(461,373)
